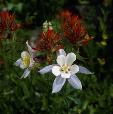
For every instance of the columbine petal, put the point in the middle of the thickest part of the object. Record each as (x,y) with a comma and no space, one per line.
(65,75)
(18,62)
(25,54)
(74,69)
(31,62)
(31,51)
(61,52)
(58,84)
(61,60)
(56,70)
(70,58)
(46,69)
(84,70)
(22,66)
(26,73)
(75,82)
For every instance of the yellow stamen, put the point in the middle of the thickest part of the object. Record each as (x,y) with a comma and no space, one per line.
(25,58)
(65,68)
(26,61)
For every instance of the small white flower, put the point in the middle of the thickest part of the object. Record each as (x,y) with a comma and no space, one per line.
(47,25)
(65,69)
(26,61)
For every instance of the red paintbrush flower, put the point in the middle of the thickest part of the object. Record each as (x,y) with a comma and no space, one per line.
(7,22)
(49,41)
(73,28)
(7,25)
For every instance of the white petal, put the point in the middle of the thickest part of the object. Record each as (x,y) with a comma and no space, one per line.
(22,66)
(70,58)
(25,54)
(26,73)
(61,52)
(31,62)
(84,70)
(56,70)
(58,84)
(31,51)
(65,75)
(61,60)
(46,69)
(18,62)
(74,69)
(75,82)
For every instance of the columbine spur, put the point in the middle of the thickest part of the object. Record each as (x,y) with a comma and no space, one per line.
(26,61)
(65,69)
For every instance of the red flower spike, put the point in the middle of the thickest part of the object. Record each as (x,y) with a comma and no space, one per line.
(7,21)
(48,41)
(72,27)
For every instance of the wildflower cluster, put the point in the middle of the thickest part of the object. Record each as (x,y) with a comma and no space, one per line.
(50,42)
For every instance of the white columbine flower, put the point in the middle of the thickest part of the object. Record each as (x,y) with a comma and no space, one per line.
(26,61)
(65,69)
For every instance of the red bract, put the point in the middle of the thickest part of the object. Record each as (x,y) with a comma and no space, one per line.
(73,28)
(49,41)
(7,22)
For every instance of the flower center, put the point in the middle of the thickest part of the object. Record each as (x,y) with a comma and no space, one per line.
(65,68)
(26,61)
